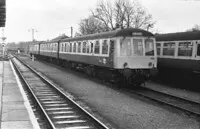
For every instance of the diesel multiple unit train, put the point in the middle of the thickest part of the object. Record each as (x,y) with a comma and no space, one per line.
(179,54)
(126,56)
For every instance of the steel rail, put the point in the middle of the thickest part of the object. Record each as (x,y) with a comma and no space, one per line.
(142,91)
(172,95)
(63,94)
(32,93)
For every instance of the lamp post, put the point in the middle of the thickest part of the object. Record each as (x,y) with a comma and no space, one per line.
(33,32)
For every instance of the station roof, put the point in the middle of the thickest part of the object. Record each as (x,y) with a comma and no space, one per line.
(2,13)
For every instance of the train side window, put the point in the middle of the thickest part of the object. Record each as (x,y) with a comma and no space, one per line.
(97,47)
(91,47)
(79,47)
(63,49)
(169,49)
(70,47)
(67,47)
(105,47)
(84,47)
(61,46)
(74,47)
(88,47)
(185,49)
(158,45)
(56,47)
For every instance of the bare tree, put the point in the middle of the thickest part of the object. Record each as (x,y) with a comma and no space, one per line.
(104,13)
(195,28)
(123,13)
(91,25)
(126,13)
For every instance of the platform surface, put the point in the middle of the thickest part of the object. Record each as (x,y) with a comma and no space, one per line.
(14,111)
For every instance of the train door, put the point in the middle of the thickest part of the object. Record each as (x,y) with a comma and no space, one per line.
(197,67)
(198,52)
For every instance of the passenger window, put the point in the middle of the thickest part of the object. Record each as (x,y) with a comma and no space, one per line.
(55,47)
(67,47)
(198,50)
(88,47)
(84,47)
(70,47)
(74,48)
(169,49)
(185,49)
(105,47)
(137,47)
(79,47)
(62,47)
(97,47)
(91,47)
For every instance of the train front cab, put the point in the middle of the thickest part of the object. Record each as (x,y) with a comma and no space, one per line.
(136,58)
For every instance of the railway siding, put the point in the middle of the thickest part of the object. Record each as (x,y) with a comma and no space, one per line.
(190,95)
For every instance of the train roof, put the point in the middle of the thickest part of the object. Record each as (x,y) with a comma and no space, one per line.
(110,34)
(37,42)
(51,41)
(192,35)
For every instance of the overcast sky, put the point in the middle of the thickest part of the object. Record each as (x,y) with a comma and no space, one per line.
(54,17)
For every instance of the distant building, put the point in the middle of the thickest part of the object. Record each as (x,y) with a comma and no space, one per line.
(63,36)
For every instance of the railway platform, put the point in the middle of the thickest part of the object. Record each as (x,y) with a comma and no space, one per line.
(15,110)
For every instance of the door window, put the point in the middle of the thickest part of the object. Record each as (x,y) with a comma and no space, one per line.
(198,50)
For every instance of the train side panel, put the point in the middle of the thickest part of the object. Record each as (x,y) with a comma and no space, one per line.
(88,59)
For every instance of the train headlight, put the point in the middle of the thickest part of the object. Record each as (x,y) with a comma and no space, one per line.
(150,64)
(125,65)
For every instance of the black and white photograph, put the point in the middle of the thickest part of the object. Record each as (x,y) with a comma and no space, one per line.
(99,64)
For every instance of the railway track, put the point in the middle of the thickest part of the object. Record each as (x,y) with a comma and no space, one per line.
(60,111)
(171,100)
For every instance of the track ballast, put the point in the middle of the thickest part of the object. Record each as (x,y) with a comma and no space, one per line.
(171,100)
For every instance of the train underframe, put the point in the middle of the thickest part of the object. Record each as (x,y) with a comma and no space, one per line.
(180,78)
(120,77)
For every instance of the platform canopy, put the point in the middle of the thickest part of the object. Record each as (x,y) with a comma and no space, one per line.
(2,13)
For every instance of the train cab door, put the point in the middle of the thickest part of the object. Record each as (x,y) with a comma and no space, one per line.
(197,67)
(198,52)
